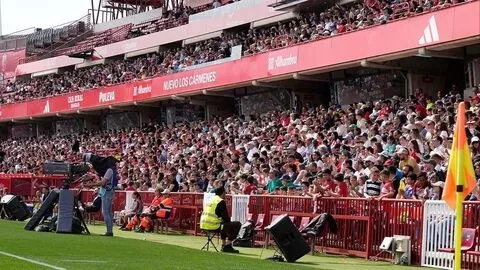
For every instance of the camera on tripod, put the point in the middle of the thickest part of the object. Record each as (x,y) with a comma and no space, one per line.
(69,170)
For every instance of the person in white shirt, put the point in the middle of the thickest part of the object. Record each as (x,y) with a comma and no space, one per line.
(252,149)
(437,144)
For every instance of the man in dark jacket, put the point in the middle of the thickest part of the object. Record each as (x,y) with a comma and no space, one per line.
(96,205)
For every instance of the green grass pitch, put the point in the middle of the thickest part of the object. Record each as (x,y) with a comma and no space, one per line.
(20,249)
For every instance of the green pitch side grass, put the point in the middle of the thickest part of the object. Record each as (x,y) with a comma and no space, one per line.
(20,249)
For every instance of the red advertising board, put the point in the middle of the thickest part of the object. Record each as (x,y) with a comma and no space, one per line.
(428,29)
(9,61)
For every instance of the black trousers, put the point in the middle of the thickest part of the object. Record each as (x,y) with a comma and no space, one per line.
(230,230)
(92,208)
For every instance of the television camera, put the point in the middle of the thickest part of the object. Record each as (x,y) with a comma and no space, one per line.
(69,214)
(69,170)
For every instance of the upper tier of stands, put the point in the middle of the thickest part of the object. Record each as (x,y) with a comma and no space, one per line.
(42,42)
(106,37)
(305,28)
(45,41)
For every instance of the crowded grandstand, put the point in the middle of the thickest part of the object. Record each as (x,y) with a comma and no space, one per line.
(327,105)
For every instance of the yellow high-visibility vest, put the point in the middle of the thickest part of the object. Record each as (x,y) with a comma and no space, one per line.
(209,220)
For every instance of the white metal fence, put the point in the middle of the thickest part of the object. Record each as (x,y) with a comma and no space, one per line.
(240,207)
(438,232)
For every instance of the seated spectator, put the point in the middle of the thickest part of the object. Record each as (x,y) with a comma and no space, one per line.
(134,210)
(149,211)
(215,217)
(94,206)
(161,211)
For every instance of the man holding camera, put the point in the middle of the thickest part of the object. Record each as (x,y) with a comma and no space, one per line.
(106,168)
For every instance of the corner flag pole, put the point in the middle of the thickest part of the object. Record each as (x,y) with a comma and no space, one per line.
(460,146)
(460,180)
(458,225)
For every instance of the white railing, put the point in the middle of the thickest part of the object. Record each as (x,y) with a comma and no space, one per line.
(240,207)
(438,232)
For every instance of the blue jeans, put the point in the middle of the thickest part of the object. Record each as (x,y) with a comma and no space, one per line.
(107,209)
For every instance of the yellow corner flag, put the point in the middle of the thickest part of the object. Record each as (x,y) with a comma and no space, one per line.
(460,179)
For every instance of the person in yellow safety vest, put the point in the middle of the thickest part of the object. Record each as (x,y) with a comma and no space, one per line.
(215,217)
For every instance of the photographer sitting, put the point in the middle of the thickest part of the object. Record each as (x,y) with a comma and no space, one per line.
(215,217)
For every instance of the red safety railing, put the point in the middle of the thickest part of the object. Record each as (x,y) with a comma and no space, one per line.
(27,184)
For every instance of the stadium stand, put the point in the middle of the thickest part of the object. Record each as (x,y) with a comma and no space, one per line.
(305,28)
(373,164)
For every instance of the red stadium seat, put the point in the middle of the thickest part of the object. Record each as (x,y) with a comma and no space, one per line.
(468,241)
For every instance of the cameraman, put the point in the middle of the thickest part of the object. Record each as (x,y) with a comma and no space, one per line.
(106,168)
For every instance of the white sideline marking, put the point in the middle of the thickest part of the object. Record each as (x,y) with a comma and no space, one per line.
(31,261)
(83,261)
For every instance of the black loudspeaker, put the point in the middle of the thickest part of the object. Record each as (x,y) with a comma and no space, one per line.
(45,209)
(15,208)
(65,211)
(287,238)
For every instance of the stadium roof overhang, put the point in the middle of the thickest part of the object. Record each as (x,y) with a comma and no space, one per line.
(302,5)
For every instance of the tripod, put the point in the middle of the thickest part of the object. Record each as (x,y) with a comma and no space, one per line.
(78,213)
(277,254)
(3,212)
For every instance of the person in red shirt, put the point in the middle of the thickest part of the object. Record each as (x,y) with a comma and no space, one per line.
(341,189)
(420,109)
(327,176)
(131,186)
(386,110)
(250,188)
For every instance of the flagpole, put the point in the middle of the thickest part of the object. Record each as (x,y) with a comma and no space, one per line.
(459,183)
(458,227)
(460,180)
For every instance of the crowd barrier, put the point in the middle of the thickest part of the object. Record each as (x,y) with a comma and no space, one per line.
(362,223)
(438,233)
(26,184)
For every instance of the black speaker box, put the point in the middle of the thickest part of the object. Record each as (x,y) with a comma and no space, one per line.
(16,209)
(47,207)
(287,238)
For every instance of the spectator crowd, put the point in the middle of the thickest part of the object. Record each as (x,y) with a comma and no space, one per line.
(391,148)
(306,27)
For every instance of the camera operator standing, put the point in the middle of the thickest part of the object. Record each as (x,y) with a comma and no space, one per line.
(106,168)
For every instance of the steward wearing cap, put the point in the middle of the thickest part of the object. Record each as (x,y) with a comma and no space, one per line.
(166,205)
